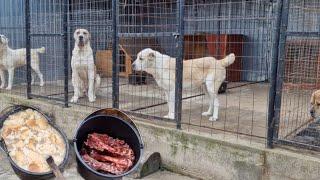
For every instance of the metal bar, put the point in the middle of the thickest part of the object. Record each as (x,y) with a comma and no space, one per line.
(46,97)
(273,78)
(281,65)
(303,34)
(48,35)
(28,47)
(146,116)
(298,144)
(223,130)
(273,122)
(66,52)
(179,64)
(115,57)
(157,34)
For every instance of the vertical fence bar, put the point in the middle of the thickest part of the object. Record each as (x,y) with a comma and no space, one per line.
(281,65)
(115,58)
(277,71)
(28,47)
(66,51)
(179,63)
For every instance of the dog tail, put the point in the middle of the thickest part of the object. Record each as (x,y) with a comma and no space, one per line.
(228,60)
(41,50)
(97,81)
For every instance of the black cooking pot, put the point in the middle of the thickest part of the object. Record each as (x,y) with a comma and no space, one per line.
(24,174)
(117,125)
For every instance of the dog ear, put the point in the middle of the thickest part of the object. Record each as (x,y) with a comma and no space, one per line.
(313,98)
(151,56)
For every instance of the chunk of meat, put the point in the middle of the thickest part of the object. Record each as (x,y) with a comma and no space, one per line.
(101,166)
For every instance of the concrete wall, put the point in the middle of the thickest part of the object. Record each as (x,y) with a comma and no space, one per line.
(199,156)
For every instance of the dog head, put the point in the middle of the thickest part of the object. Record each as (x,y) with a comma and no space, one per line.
(145,59)
(315,104)
(3,41)
(81,37)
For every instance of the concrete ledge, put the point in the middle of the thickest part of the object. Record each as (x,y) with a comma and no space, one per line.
(205,157)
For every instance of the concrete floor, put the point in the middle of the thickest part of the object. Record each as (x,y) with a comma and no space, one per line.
(71,173)
(243,108)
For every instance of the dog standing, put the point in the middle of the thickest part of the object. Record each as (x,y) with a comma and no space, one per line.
(14,58)
(84,76)
(315,105)
(196,72)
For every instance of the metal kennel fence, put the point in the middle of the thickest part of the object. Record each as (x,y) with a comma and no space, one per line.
(276,43)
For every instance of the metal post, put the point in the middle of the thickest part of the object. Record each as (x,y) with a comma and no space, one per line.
(28,47)
(277,72)
(115,58)
(179,63)
(66,52)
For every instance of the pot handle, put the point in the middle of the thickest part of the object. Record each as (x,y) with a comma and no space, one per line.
(3,146)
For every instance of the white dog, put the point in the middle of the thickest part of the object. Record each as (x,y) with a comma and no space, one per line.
(84,76)
(196,72)
(14,58)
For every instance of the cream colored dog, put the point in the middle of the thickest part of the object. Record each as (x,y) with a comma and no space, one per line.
(315,104)
(196,72)
(84,76)
(14,58)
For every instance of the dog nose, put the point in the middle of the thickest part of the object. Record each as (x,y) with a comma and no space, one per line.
(80,37)
(133,66)
(312,112)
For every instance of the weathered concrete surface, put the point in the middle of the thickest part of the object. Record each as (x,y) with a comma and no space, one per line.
(71,173)
(206,157)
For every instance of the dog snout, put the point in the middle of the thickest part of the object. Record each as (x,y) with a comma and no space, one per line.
(134,66)
(312,112)
(81,38)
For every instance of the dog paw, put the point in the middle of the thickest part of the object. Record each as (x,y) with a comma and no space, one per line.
(74,99)
(92,99)
(9,88)
(213,118)
(169,116)
(206,113)
(2,86)
(41,84)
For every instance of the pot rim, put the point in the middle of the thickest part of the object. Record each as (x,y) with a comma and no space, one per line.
(133,168)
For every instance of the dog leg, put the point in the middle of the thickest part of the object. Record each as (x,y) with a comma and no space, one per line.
(171,103)
(209,92)
(216,104)
(2,79)
(214,117)
(82,89)
(76,86)
(38,72)
(32,78)
(91,94)
(10,79)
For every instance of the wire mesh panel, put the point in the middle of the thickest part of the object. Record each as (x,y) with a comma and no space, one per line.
(47,48)
(212,29)
(217,29)
(12,31)
(301,74)
(145,24)
(95,16)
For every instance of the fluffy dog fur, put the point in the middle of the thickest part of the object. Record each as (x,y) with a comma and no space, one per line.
(315,104)
(196,72)
(14,58)
(84,76)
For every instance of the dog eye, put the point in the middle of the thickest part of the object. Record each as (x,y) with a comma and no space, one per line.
(140,59)
(85,33)
(78,32)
